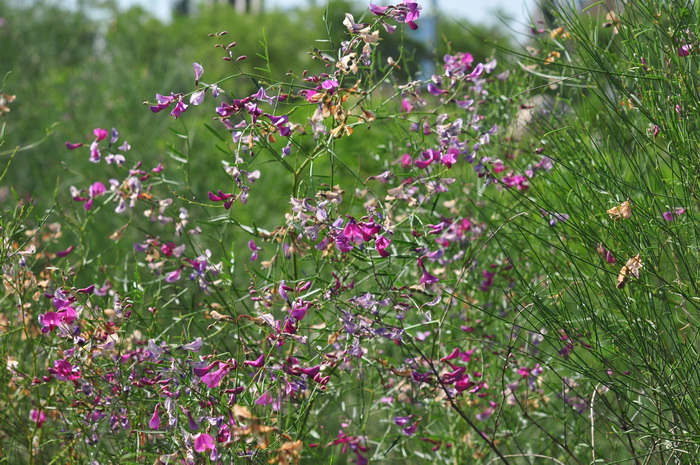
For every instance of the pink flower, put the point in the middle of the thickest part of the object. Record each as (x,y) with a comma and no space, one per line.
(381,243)
(257,363)
(100,133)
(214,378)
(38,417)
(63,370)
(203,442)
(672,215)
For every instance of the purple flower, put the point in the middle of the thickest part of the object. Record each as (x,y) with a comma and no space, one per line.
(198,71)
(173,276)
(71,146)
(179,109)
(672,215)
(299,309)
(194,346)
(197,98)
(254,249)
(154,424)
(684,50)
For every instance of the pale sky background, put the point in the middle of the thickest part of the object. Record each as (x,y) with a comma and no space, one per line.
(476,11)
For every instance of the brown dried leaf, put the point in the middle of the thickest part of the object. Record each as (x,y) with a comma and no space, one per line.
(623,211)
(631,268)
(241,411)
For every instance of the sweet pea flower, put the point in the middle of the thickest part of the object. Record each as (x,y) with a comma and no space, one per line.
(100,134)
(257,363)
(163,102)
(38,417)
(154,424)
(63,370)
(214,378)
(672,215)
(198,71)
(203,442)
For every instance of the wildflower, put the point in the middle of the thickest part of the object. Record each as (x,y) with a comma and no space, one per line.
(426,277)
(154,424)
(198,71)
(257,363)
(381,243)
(203,442)
(404,12)
(605,254)
(64,253)
(63,370)
(163,102)
(214,378)
(100,134)
(254,249)
(38,417)
(179,109)
(684,50)
(672,215)
(197,97)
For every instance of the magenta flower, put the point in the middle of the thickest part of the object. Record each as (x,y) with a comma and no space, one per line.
(257,363)
(163,102)
(38,417)
(100,134)
(71,146)
(63,370)
(381,243)
(203,442)
(179,109)
(684,50)
(672,215)
(265,399)
(221,197)
(63,253)
(52,320)
(214,378)
(299,309)
(254,249)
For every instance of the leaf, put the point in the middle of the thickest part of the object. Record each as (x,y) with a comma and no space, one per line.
(623,211)
(631,268)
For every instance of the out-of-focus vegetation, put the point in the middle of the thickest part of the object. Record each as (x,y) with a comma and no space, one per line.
(72,70)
